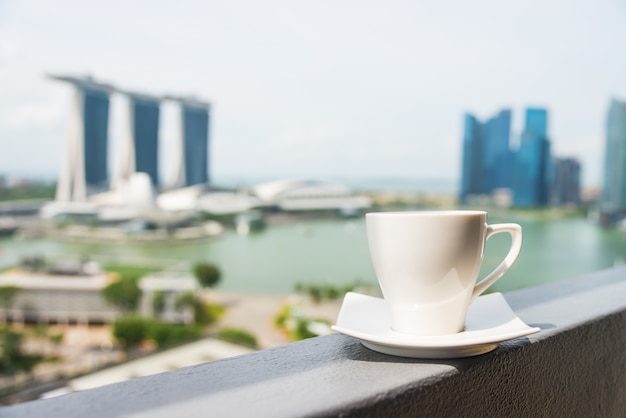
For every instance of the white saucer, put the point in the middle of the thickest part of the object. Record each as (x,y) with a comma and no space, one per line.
(490,321)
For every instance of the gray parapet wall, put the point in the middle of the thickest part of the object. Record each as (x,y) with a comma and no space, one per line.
(575,367)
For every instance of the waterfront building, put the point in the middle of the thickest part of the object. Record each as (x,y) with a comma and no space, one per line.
(73,295)
(487,155)
(566,182)
(471,171)
(196,135)
(307,195)
(44,298)
(531,177)
(85,170)
(142,137)
(490,167)
(614,189)
(498,151)
(193,139)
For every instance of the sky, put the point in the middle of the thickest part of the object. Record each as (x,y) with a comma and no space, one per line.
(317,89)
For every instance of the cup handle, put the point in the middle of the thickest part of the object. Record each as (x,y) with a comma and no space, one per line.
(516,245)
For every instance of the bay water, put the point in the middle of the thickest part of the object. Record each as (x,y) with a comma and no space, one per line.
(334,251)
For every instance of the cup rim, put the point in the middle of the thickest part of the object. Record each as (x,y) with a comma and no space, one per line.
(415,213)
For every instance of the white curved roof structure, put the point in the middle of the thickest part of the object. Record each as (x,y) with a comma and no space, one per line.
(280,189)
(227,202)
(134,198)
(309,195)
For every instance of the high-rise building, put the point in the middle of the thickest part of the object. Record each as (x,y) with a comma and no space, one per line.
(531,177)
(145,134)
(86,167)
(96,132)
(614,188)
(472,166)
(194,139)
(487,155)
(498,155)
(566,182)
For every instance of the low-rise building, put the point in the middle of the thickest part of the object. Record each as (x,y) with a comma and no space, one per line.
(40,297)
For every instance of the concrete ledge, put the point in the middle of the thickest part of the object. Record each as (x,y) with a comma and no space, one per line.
(575,367)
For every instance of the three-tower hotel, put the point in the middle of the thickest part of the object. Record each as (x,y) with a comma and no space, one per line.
(86,170)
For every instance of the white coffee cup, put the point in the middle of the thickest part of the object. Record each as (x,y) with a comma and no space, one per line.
(427,264)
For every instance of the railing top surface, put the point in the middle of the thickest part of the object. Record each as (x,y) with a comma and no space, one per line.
(324,375)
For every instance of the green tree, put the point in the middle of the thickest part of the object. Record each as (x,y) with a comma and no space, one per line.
(131,330)
(207,274)
(7,294)
(12,359)
(123,293)
(11,351)
(186,300)
(158,302)
(203,313)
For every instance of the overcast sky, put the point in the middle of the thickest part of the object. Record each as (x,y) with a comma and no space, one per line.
(319,89)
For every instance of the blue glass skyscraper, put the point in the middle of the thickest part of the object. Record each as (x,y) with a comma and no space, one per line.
(86,168)
(472,166)
(531,182)
(566,182)
(96,135)
(497,132)
(86,161)
(145,120)
(614,188)
(486,155)
(195,143)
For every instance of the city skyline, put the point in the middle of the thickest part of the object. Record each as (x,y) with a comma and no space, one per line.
(493,167)
(327,90)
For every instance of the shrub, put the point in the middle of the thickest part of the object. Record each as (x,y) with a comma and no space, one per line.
(297,327)
(7,294)
(203,313)
(164,334)
(12,358)
(238,336)
(132,330)
(123,293)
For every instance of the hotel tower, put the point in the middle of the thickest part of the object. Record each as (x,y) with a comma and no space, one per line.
(85,170)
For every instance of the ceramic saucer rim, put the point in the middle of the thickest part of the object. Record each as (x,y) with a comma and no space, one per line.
(514,328)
